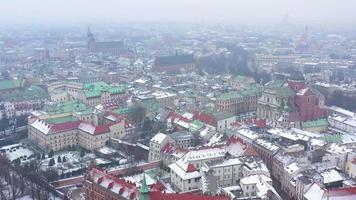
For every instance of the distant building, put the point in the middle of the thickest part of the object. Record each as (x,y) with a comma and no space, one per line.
(97,93)
(41,54)
(241,101)
(287,104)
(175,64)
(115,48)
(22,101)
(342,119)
(220,120)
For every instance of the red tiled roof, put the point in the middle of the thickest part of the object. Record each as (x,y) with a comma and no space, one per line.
(66,126)
(101,129)
(111,184)
(158,186)
(156,189)
(234,140)
(250,151)
(342,192)
(191,168)
(354,161)
(172,196)
(174,115)
(206,118)
(261,123)
(167,148)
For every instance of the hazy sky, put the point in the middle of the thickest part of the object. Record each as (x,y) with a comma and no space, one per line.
(322,12)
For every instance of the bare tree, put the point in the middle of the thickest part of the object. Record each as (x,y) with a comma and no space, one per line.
(4,171)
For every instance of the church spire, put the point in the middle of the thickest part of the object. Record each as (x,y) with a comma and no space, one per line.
(90,34)
(144,191)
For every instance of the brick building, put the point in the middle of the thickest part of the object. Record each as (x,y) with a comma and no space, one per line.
(283,103)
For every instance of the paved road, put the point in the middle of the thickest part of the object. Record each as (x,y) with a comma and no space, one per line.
(68,182)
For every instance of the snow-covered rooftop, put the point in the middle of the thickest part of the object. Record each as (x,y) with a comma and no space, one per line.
(159,138)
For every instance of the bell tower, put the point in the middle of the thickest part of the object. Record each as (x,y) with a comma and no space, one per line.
(90,40)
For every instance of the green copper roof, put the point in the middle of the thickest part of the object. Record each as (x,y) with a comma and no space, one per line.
(248,91)
(144,191)
(92,94)
(197,124)
(144,187)
(95,89)
(59,120)
(58,91)
(10,84)
(284,91)
(242,79)
(122,111)
(66,107)
(315,123)
(286,107)
(336,138)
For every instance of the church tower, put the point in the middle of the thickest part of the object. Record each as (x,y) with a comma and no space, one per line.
(90,40)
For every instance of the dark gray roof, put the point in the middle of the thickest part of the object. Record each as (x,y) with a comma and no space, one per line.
(174,60)
(109,44)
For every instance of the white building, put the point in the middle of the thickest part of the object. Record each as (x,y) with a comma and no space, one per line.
(342,119)
(184,176)
(247,135)
(257,186)
(227,171)
(156,144)
(336,155)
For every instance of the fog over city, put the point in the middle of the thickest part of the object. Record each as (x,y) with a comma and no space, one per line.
(177,99)
(317,12)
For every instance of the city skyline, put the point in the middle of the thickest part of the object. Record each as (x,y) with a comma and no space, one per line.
(330,13)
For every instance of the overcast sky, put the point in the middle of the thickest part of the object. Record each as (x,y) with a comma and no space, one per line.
(321,12)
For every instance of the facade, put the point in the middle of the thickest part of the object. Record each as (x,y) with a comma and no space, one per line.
(237,102)
(220,120)
(23,101)
(240,82)
(99,185)
(228,171)
(72,123)
(270,103)
(286,103)
(342,119)
(97,93)
(184,176)
(61,135)
(266,150)
(256,186)
(156,144)
(351,167)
